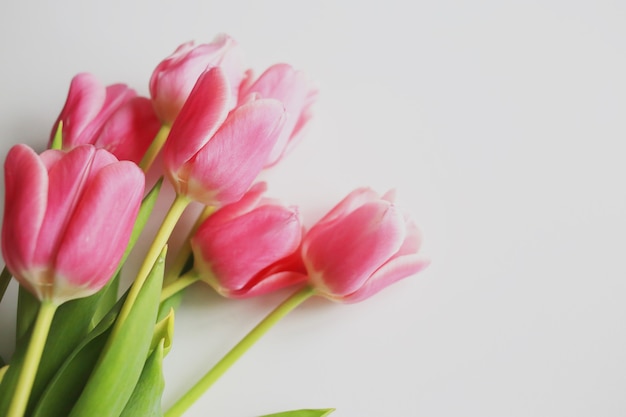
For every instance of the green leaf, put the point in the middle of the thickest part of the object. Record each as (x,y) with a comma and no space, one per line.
(70,325)
(27,307)
(107,300)
(164,332)
(120,364)
(171,303)
(67,384)
(57,141)
(146,398)
(3,370)
(303,413)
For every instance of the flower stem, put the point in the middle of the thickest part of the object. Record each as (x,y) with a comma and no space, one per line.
(32,359)
(163,234)
(236,352)
(185,250)
(155,147)
(5,278)
(180,284)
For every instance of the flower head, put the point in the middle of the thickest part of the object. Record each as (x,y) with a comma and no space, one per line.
(67,218)
(112,118)
(213,154)
(361,246)
(250,247)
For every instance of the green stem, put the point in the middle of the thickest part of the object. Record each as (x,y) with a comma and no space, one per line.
(163,234)
(155,147)
(185,250)
(5,278)
(236,352)
(180,284)
(32,359)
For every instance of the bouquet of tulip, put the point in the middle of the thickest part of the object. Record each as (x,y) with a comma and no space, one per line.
(87,346)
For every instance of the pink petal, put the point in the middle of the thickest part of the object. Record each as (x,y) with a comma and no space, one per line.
(26,187)
(67,178)
(397,269)
(351,202)
(240,207)
(84,100)
(345,254)
(237,250)
(291,88)
(199,119)
(130,130)
(269,283)
(101,225)
(226,166)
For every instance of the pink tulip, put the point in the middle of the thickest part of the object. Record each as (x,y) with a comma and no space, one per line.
(174,78)
(295,91)
(361,246)
(212,155)
(67,218)
(250,247)
(112,118)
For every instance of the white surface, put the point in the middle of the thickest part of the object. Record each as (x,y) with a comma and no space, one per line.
(502,126)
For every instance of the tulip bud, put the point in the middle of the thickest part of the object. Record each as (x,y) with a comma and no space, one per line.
(112,118)
(174,78)
(212,155)
(295,91)
(67,218)
(361,246)
(250,247)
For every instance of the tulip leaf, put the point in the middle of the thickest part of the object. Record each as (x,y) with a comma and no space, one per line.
(5,279)
(120,364)
(57,141)
(71,323)
(3,370)
(164,332)
(27,307)
(303,413)
(145,400)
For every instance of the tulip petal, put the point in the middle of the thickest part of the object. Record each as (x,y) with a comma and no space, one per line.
(84,100)
(67,178)
(291,88)
(26,187)
(107,209)
(203,113)
(245,204)
(349,203)
(130,130)
(264,284)
(393,271)
(237,250)
(341,258)
(225,167)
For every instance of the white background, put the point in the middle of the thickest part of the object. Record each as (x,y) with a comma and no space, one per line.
(500,123)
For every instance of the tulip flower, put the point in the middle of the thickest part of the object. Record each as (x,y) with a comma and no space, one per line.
(67,218)
(361,246)
(212,154)
(174,78)
(112,118)
(250,247)
(295,91)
